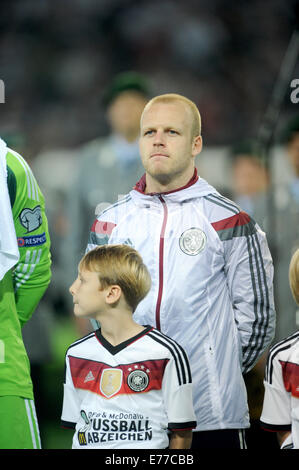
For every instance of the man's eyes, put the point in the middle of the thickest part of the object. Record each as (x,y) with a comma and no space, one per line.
(169,131)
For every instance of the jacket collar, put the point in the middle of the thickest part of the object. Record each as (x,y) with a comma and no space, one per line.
(196,187)
(141,185)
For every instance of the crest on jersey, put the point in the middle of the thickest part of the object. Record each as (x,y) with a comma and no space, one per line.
(192,241)
(111,381)
(31,219)
(138,380)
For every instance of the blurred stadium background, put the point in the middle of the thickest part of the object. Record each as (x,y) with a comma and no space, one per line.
(57,57)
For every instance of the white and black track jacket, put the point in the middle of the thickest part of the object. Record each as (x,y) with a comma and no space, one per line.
(212,287)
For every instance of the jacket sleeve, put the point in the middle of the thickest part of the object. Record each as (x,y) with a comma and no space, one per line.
(32,273)
(99,233)
(103,226)
(249,272)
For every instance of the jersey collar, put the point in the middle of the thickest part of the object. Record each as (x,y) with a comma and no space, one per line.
(115,349)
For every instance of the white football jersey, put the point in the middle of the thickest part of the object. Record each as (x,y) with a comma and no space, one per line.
(127,396)
(281,400)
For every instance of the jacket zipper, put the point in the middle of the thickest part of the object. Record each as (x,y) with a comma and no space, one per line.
(161,263)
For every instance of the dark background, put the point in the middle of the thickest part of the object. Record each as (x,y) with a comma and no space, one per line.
(56,57)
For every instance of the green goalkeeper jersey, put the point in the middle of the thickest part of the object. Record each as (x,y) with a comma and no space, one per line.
(24,285)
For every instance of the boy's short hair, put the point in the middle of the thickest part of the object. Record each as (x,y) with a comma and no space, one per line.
(119,265)
(172,98)
(294,275)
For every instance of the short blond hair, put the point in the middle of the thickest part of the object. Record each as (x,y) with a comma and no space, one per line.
(119,265)
(294,275)
(173,97)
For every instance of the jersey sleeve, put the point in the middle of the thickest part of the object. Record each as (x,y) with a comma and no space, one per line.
(32,273)
(276,412)
(249,272)
(71,403)
(177,392)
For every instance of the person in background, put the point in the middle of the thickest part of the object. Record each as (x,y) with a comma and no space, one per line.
(285,233)
(251,191)
(250,181)
(24,277)
(107,166)
(280,412)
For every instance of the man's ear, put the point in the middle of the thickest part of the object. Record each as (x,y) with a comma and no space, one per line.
(197,145)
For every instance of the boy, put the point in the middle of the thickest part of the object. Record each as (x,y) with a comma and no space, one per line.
(126,385)
(281,401)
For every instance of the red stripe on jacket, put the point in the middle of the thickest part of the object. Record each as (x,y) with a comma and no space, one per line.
(103,228)
(235,221)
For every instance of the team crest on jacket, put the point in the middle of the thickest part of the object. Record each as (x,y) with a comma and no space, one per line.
(111,381)
(192,241)
(138,380)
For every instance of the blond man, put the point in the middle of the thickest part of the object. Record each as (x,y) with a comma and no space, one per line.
(281,401)
(211,269)
(126,386)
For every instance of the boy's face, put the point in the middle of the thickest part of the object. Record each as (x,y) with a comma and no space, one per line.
(88,297)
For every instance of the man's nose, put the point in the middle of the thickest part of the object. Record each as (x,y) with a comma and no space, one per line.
(159,138)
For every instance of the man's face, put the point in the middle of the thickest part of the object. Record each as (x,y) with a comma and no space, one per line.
(166,145)
(124,113)
(249,177)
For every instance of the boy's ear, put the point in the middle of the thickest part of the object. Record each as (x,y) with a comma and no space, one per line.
(113,294)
